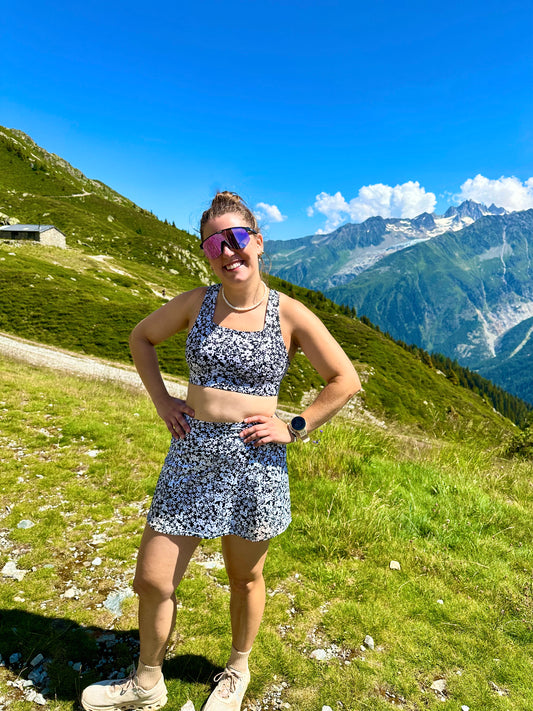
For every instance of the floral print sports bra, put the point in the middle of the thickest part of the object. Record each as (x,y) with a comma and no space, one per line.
(249,362)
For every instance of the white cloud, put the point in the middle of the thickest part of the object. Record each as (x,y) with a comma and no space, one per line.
(268,213)
(334,207)
(406,200)
(509,193)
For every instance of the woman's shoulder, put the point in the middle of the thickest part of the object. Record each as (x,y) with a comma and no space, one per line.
(300,320)
(201,291)
(194,296)
(292,308)
(187,304)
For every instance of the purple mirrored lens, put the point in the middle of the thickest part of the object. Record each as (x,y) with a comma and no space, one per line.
(212,245)
(242,236)
(235,237)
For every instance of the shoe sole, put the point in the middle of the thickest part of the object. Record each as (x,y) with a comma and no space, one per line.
(130,705)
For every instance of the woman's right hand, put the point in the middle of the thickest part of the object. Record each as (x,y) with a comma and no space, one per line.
(172,411)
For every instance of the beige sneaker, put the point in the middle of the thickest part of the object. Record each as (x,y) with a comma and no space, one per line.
(229,692)
(123,694)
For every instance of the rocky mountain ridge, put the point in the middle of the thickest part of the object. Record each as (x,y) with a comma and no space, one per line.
(40,159)
(123,262)
(466,294)
(326,261)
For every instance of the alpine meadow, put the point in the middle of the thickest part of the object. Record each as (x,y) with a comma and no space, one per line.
(405,580)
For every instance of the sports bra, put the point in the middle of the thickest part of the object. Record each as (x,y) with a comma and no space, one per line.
(249,362)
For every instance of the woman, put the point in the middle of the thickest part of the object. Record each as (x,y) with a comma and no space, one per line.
(225,474)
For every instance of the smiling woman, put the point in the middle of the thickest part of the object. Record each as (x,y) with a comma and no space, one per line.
(225,474)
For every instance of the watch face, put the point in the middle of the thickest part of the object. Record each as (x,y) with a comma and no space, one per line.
(298,423)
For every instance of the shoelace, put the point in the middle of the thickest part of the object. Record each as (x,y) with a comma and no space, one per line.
(126,684)
(228,680)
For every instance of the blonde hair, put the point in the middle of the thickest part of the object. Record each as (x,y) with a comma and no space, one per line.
(226,202)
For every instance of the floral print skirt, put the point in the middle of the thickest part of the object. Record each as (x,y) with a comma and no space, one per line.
(213,484)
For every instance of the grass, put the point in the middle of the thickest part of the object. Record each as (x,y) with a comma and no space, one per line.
(70,299)
(80,460)
(39,188)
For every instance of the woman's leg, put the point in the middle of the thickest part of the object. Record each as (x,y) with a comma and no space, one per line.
(161,563)
(244,564)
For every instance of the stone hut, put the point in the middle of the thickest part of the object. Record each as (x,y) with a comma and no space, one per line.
(44,234)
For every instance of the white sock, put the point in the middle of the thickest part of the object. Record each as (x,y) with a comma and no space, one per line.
(147,677)
(239,660)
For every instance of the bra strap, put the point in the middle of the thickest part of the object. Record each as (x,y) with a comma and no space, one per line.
(207,309)
(272,312)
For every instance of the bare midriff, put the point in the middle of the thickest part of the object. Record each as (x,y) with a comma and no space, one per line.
(214,405)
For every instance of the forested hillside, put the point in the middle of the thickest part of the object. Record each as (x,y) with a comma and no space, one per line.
(122,263)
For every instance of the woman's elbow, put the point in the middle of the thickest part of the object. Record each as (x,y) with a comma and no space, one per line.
(353,384)
(134,335)
(138,336)
(347,384)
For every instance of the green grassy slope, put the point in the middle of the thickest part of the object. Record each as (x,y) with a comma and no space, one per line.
(74,300)
(80,460)
(37,187)
(69,299)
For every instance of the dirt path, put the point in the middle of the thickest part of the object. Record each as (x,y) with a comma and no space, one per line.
(89,366)
(92,367)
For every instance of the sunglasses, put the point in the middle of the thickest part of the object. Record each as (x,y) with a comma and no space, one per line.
(233,237)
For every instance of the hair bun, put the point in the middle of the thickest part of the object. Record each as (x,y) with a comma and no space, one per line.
(226,196)
(225,202)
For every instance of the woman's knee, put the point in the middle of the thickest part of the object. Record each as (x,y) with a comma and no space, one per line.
(147,586)
(244,563)
(246,584)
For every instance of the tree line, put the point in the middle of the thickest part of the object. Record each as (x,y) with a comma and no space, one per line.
(511,406)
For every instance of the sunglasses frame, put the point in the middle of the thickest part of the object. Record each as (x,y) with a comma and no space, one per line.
(227,238)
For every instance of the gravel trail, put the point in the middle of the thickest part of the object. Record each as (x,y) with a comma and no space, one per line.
(76,363)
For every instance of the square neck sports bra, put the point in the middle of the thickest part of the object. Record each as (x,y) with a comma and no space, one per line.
(249,362)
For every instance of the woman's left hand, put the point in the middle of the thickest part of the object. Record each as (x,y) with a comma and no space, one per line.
(264,430)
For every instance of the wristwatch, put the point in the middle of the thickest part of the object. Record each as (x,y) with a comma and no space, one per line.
(298,427)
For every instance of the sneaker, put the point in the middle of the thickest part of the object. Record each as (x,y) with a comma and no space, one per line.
(123,694)
(229,692)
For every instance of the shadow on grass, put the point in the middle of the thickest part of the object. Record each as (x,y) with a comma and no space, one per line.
(94,654)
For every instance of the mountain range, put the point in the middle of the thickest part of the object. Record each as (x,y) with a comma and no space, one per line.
(121,263)
(323,261)
(460,284)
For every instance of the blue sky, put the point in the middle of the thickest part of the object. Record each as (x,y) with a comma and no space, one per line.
(316,112)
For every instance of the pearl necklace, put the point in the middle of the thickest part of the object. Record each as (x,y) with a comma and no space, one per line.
(246,308)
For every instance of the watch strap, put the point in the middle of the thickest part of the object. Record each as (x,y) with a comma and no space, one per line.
(302,436)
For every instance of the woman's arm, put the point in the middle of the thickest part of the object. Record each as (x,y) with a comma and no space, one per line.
(158,327)
(327,357)
(330,362)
